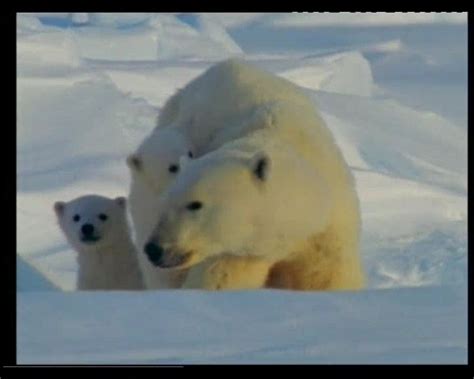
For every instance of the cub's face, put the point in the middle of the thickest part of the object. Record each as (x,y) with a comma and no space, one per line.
(213,207)
(91,222)
(159,159)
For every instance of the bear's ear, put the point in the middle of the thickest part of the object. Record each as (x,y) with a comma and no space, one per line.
(121,201)
(261,165)
(134,162)
(59,207)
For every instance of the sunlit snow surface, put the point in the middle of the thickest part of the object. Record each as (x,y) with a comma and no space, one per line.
(394,95)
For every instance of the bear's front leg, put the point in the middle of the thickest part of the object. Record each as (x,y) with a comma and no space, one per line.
(229,272)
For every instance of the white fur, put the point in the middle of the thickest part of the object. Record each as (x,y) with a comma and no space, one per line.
(305,211)
(111,262)
(243,214)
(231,99)
(160,150)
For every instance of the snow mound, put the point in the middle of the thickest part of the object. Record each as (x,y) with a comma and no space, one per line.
(85,126)
(398,141)
(117,20)
(80,18)
(347,73)
(212,29)
(130,37)
(30,279)
(235,20)
(438,256)
(198,37)
(27,24)
(115,44)
(381,326)
(390,46)
(49,49)
(349,19)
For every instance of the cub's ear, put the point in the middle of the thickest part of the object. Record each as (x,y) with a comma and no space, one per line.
(121,201)
(59,208)
(261,166)
(134,162)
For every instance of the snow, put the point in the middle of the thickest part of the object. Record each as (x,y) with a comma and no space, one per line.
(207,26)
(393,90)
(183,327)
(348,19)
(30,279)
(332,74)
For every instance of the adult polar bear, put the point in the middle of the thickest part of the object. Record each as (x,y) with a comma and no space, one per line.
(234,103)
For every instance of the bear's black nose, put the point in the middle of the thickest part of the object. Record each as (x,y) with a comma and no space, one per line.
(87,229)
(154,252)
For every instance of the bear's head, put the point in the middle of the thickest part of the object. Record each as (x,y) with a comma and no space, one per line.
(159,158)
(243,205)
(92,222)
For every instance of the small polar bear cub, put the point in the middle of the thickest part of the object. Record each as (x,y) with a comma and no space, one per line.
(153,166)
(96,227)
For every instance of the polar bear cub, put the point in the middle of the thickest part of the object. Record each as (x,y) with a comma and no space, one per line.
(96,228)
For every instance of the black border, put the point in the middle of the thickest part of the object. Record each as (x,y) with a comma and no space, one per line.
(9,192)
(8,334)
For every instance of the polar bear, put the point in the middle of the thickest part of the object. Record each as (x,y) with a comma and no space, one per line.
(219,106)
(96,227)
(231,99)
(154,164)
(236,109)
(254,213)
(157,160)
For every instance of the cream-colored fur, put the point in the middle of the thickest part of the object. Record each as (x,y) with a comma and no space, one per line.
(304,219)
(266,221)
(323,262)
(150,175)
(109,262)
(228,101)
(228,272)
(113,268)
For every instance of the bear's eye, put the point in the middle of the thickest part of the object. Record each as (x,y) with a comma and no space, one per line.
(173,168)
(76,218)
(194,206)
(103,217)
(190,155)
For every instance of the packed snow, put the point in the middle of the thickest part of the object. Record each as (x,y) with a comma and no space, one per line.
(184,327)
(392,89)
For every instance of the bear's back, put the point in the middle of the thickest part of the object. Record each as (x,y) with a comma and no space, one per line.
(238,85)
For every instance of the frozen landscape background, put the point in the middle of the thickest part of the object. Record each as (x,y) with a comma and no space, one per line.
(393,90)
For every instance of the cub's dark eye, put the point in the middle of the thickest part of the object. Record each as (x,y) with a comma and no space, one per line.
(194,206)
(190,155)
(103,217)
(76,218)
(173,168)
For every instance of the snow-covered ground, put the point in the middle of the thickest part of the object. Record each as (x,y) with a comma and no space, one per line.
(393,90)
(178,327)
